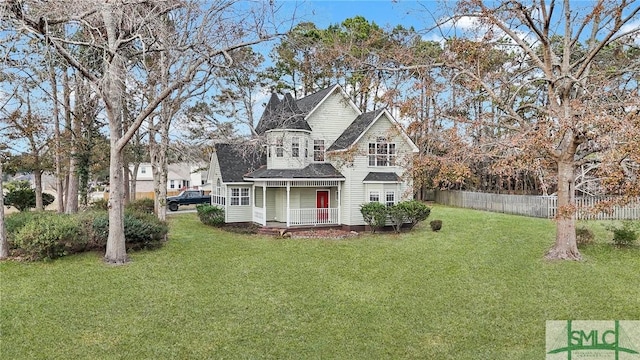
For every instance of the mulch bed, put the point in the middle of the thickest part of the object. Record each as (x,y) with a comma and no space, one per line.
(322,234)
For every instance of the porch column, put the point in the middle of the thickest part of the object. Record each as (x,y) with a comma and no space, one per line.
(264,203)
(339,221)
(288,203)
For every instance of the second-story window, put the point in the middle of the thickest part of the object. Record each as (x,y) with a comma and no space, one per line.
(279,147)
(295,146)
(143,170)
(318,150)
(382,153)
(306,148)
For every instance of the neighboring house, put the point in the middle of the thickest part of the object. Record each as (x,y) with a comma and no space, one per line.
(322,160)
(179,177)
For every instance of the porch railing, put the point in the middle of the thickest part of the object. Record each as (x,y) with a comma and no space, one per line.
(313,216)
(217,199)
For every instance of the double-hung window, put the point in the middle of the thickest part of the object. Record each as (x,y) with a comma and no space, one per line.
(390,198)
(318,150)
(240,196)
(279,147)
(295,146)
(374,196)
(382,153)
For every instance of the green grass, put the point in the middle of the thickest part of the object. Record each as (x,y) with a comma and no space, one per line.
(478,289)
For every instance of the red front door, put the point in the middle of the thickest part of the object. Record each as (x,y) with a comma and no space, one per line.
(322,204)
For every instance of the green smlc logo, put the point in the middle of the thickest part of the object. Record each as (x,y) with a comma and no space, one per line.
(593,339)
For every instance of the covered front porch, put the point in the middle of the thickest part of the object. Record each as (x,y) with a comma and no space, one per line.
(292,203)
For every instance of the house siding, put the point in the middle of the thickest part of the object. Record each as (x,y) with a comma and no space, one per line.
(332,117)
(239,213)
(287,161)
(355,173)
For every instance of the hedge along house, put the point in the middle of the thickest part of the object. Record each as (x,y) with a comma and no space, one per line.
(323,158)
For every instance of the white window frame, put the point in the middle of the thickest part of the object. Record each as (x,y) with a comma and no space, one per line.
(238,196)
(143,169)
(374,196)
(218,187)
(279,147)
(391,202)
(306,148)
(172,184)
(382,153)
(318,150)
(295,146)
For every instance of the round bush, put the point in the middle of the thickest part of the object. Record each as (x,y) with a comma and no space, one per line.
(50,237)
(210,215)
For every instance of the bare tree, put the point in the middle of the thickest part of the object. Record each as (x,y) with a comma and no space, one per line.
(123,31)
(559,99)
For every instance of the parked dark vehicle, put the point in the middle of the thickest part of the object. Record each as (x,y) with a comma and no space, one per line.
(188,197)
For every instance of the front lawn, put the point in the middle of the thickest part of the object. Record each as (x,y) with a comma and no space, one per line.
(478,289)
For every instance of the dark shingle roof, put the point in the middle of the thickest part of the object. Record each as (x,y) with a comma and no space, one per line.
(236,160)
(309,102)
(312,171)
(282,114)
(351,133)
(382,177)
(289,113)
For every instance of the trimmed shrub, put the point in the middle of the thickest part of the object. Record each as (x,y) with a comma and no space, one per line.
(374,215)
(144,206)
(625,235)
(140,230)
(397,216)
(50,237)
(584,236)
(415,211)
(210,215)
(435,225)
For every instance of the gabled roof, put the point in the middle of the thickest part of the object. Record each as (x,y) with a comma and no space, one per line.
(312,171)
(282,114)
(355,130)
(360,125)
(309,102)
(235,160)
(376,177)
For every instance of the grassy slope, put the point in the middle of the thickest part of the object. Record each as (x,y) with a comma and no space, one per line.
(478,289)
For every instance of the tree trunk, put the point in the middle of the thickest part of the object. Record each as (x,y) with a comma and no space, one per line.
(565,247)
(116,252)
(37,179)
(57,142)
(4,245)
(72,181)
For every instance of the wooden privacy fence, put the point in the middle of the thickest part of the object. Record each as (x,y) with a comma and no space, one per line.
(535,206)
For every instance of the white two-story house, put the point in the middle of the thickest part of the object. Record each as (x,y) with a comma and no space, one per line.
(322,160)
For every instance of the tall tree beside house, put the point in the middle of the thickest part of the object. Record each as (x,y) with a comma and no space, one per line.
(558,100)
(122,31)
(4,244)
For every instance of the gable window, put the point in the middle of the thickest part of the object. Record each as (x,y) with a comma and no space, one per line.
(240,196)
(295,146)
(279,147)
(143,170)
(318,150)
(374,196)
(390,198)
(382,153)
